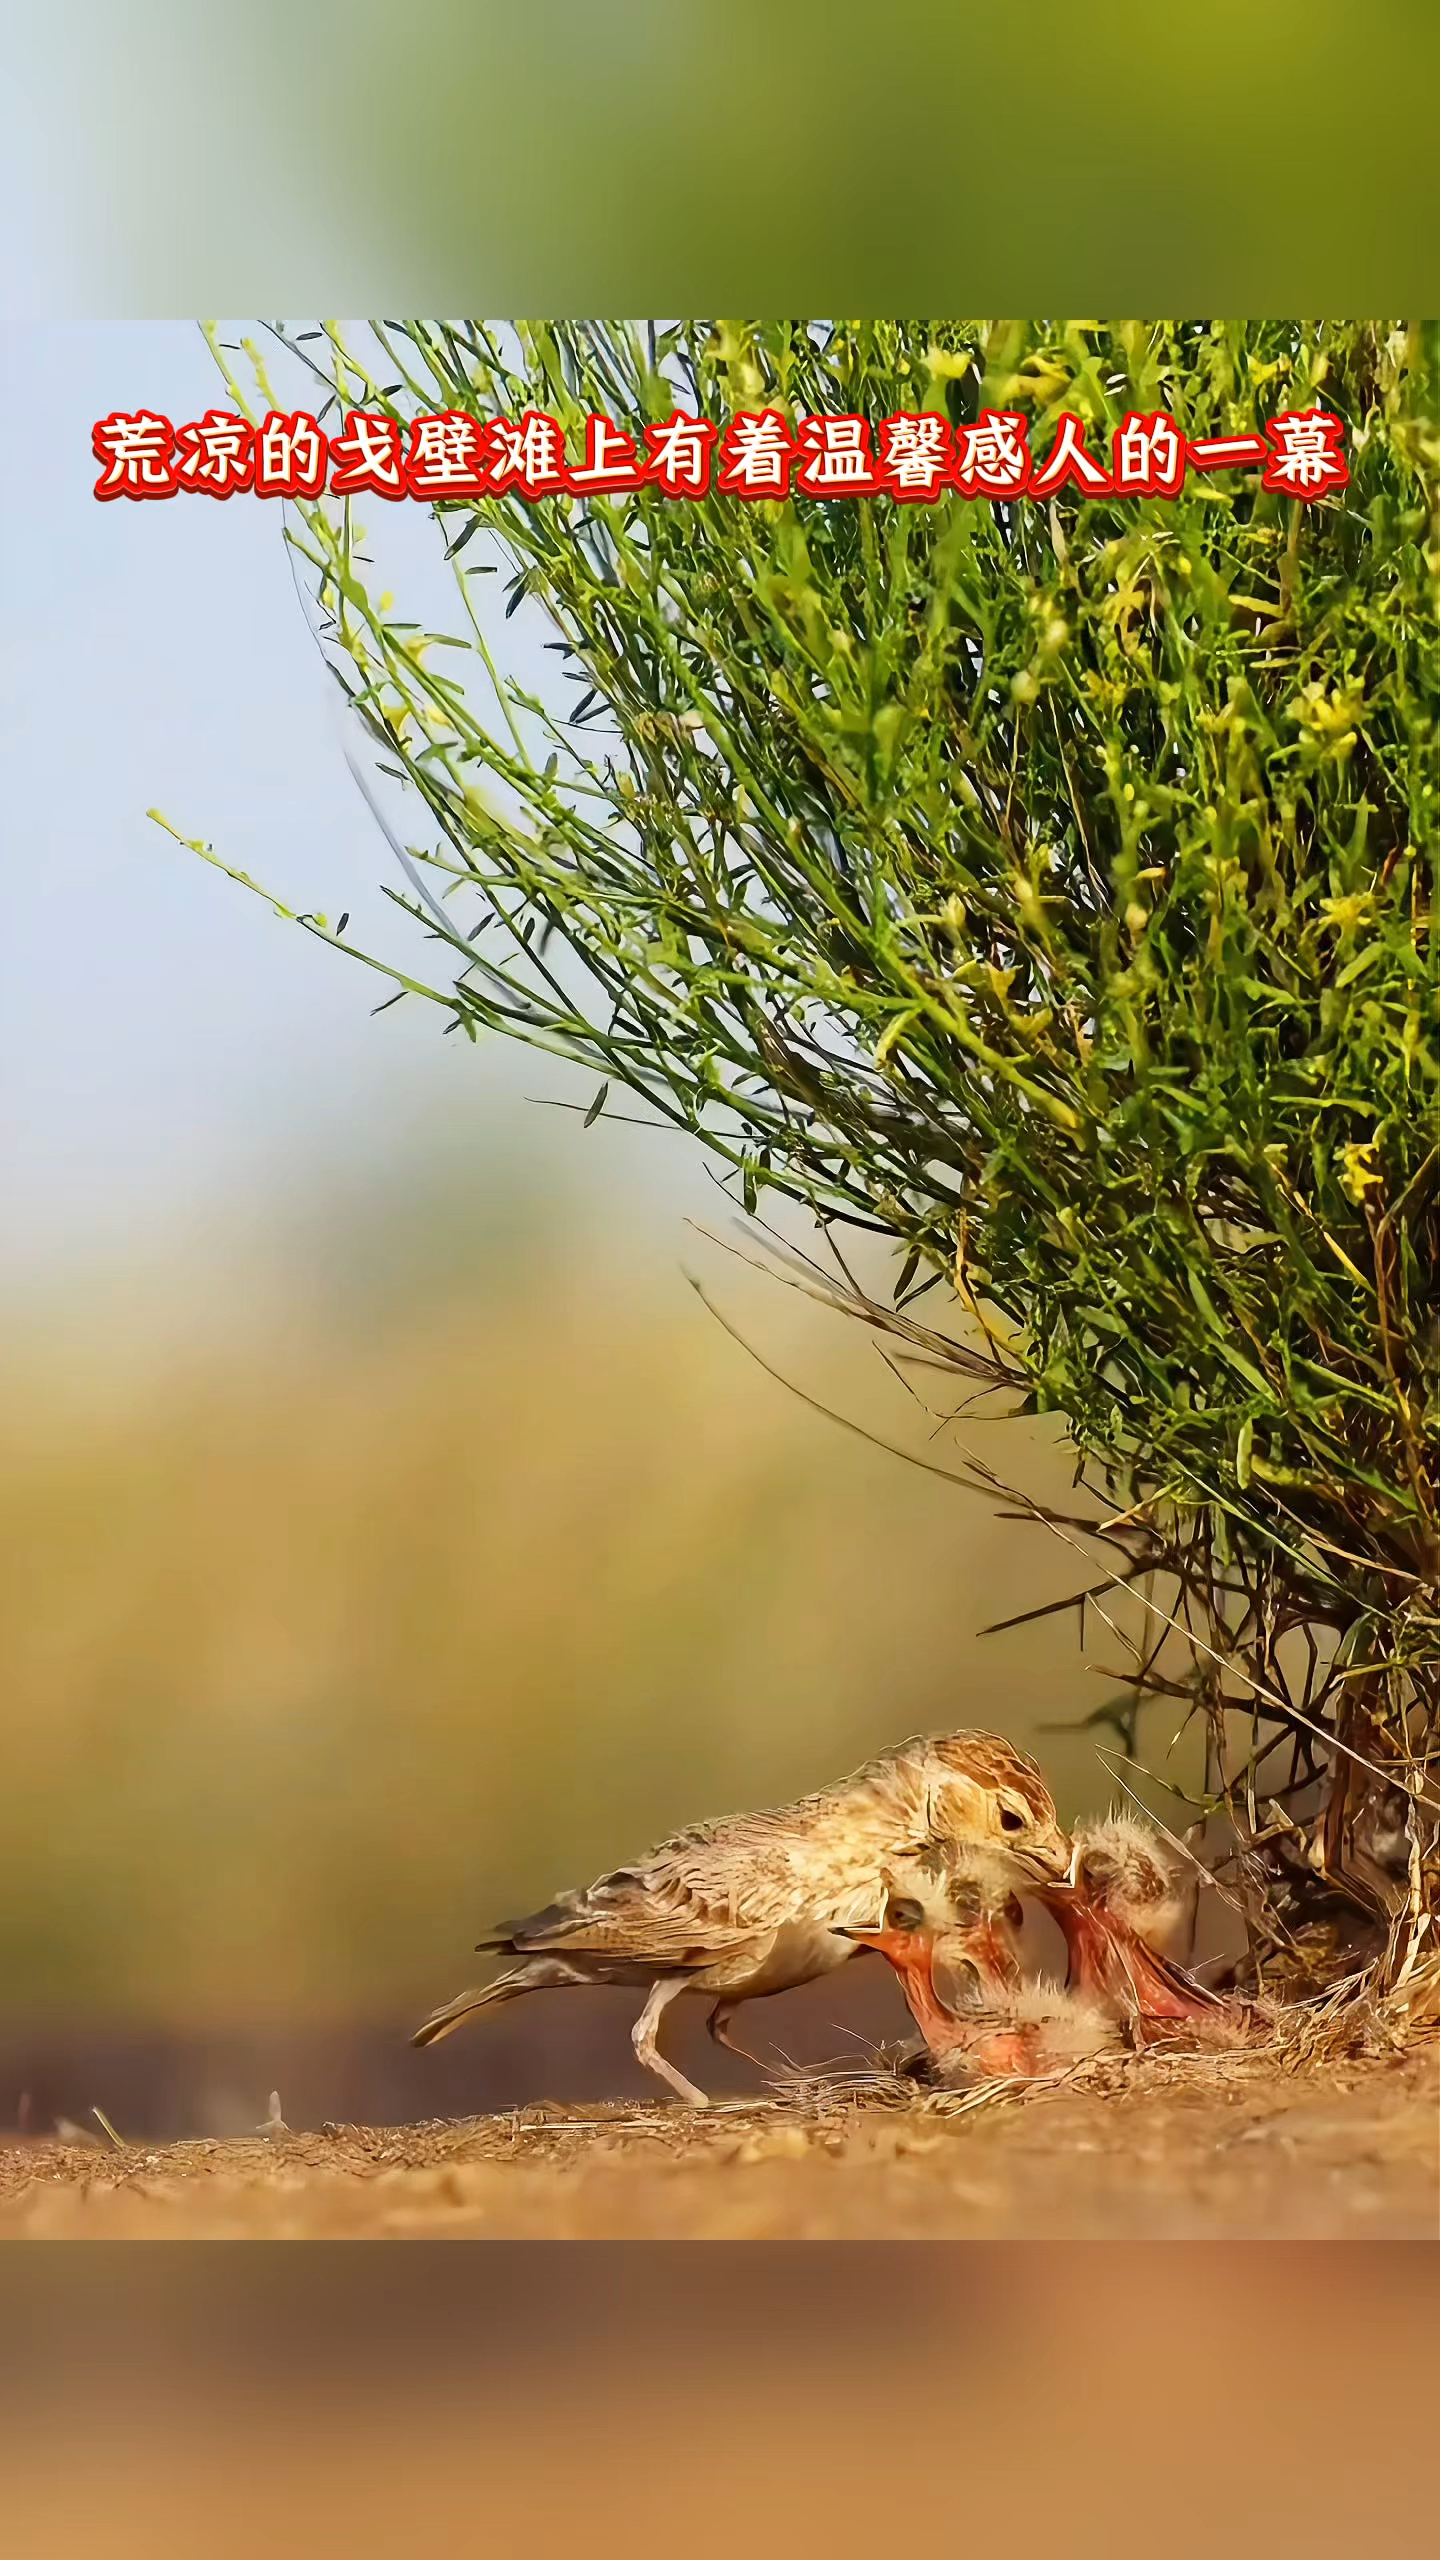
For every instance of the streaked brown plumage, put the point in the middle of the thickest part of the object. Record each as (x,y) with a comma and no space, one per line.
(751,1905)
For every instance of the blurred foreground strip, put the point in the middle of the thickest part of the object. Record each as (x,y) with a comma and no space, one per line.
(228,2403)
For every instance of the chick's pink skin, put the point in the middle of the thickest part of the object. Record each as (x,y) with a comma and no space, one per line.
(989,2046)
(987,1945)
(1007,2053)
(1109,1961)
(912,1953)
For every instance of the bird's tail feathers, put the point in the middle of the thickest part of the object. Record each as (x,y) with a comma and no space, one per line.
(468,2004)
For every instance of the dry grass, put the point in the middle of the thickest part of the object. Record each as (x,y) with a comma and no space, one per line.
(1324,2127)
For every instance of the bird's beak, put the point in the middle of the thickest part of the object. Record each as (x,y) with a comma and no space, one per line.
(1059,1876)
(1051,1865)
(894,1943)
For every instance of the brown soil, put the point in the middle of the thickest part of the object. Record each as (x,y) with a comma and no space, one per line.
(1148,2148)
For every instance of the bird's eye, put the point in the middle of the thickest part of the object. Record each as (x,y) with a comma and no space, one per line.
(902,1913)
(1010,1820)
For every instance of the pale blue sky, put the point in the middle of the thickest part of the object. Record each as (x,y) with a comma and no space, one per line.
(170,1054)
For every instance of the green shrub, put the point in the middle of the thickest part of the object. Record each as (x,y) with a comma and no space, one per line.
(1049,888)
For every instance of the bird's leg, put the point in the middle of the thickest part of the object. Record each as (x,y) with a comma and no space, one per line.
(642,2036)
(718,2021)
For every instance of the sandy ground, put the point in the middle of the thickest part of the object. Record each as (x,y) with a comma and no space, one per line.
(1140,2149)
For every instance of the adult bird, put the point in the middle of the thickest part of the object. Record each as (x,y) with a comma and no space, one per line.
(755,1904)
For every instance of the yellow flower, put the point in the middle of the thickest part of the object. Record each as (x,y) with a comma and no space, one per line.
(1347,915)
(948,367)
(1330,717)
(1360,1171)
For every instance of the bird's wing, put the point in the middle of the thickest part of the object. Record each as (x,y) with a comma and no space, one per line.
(642,1910)
(820,1862)
(676,1916)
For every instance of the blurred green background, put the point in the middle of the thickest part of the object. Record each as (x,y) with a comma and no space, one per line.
(649,156)
(388,1534)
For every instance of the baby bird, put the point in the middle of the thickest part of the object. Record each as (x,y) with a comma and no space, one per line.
(1132,1868)
(975,1918)
(1126,1910)
(755,1904)
(1036,2033)
(965,1921)
(1002,2029)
